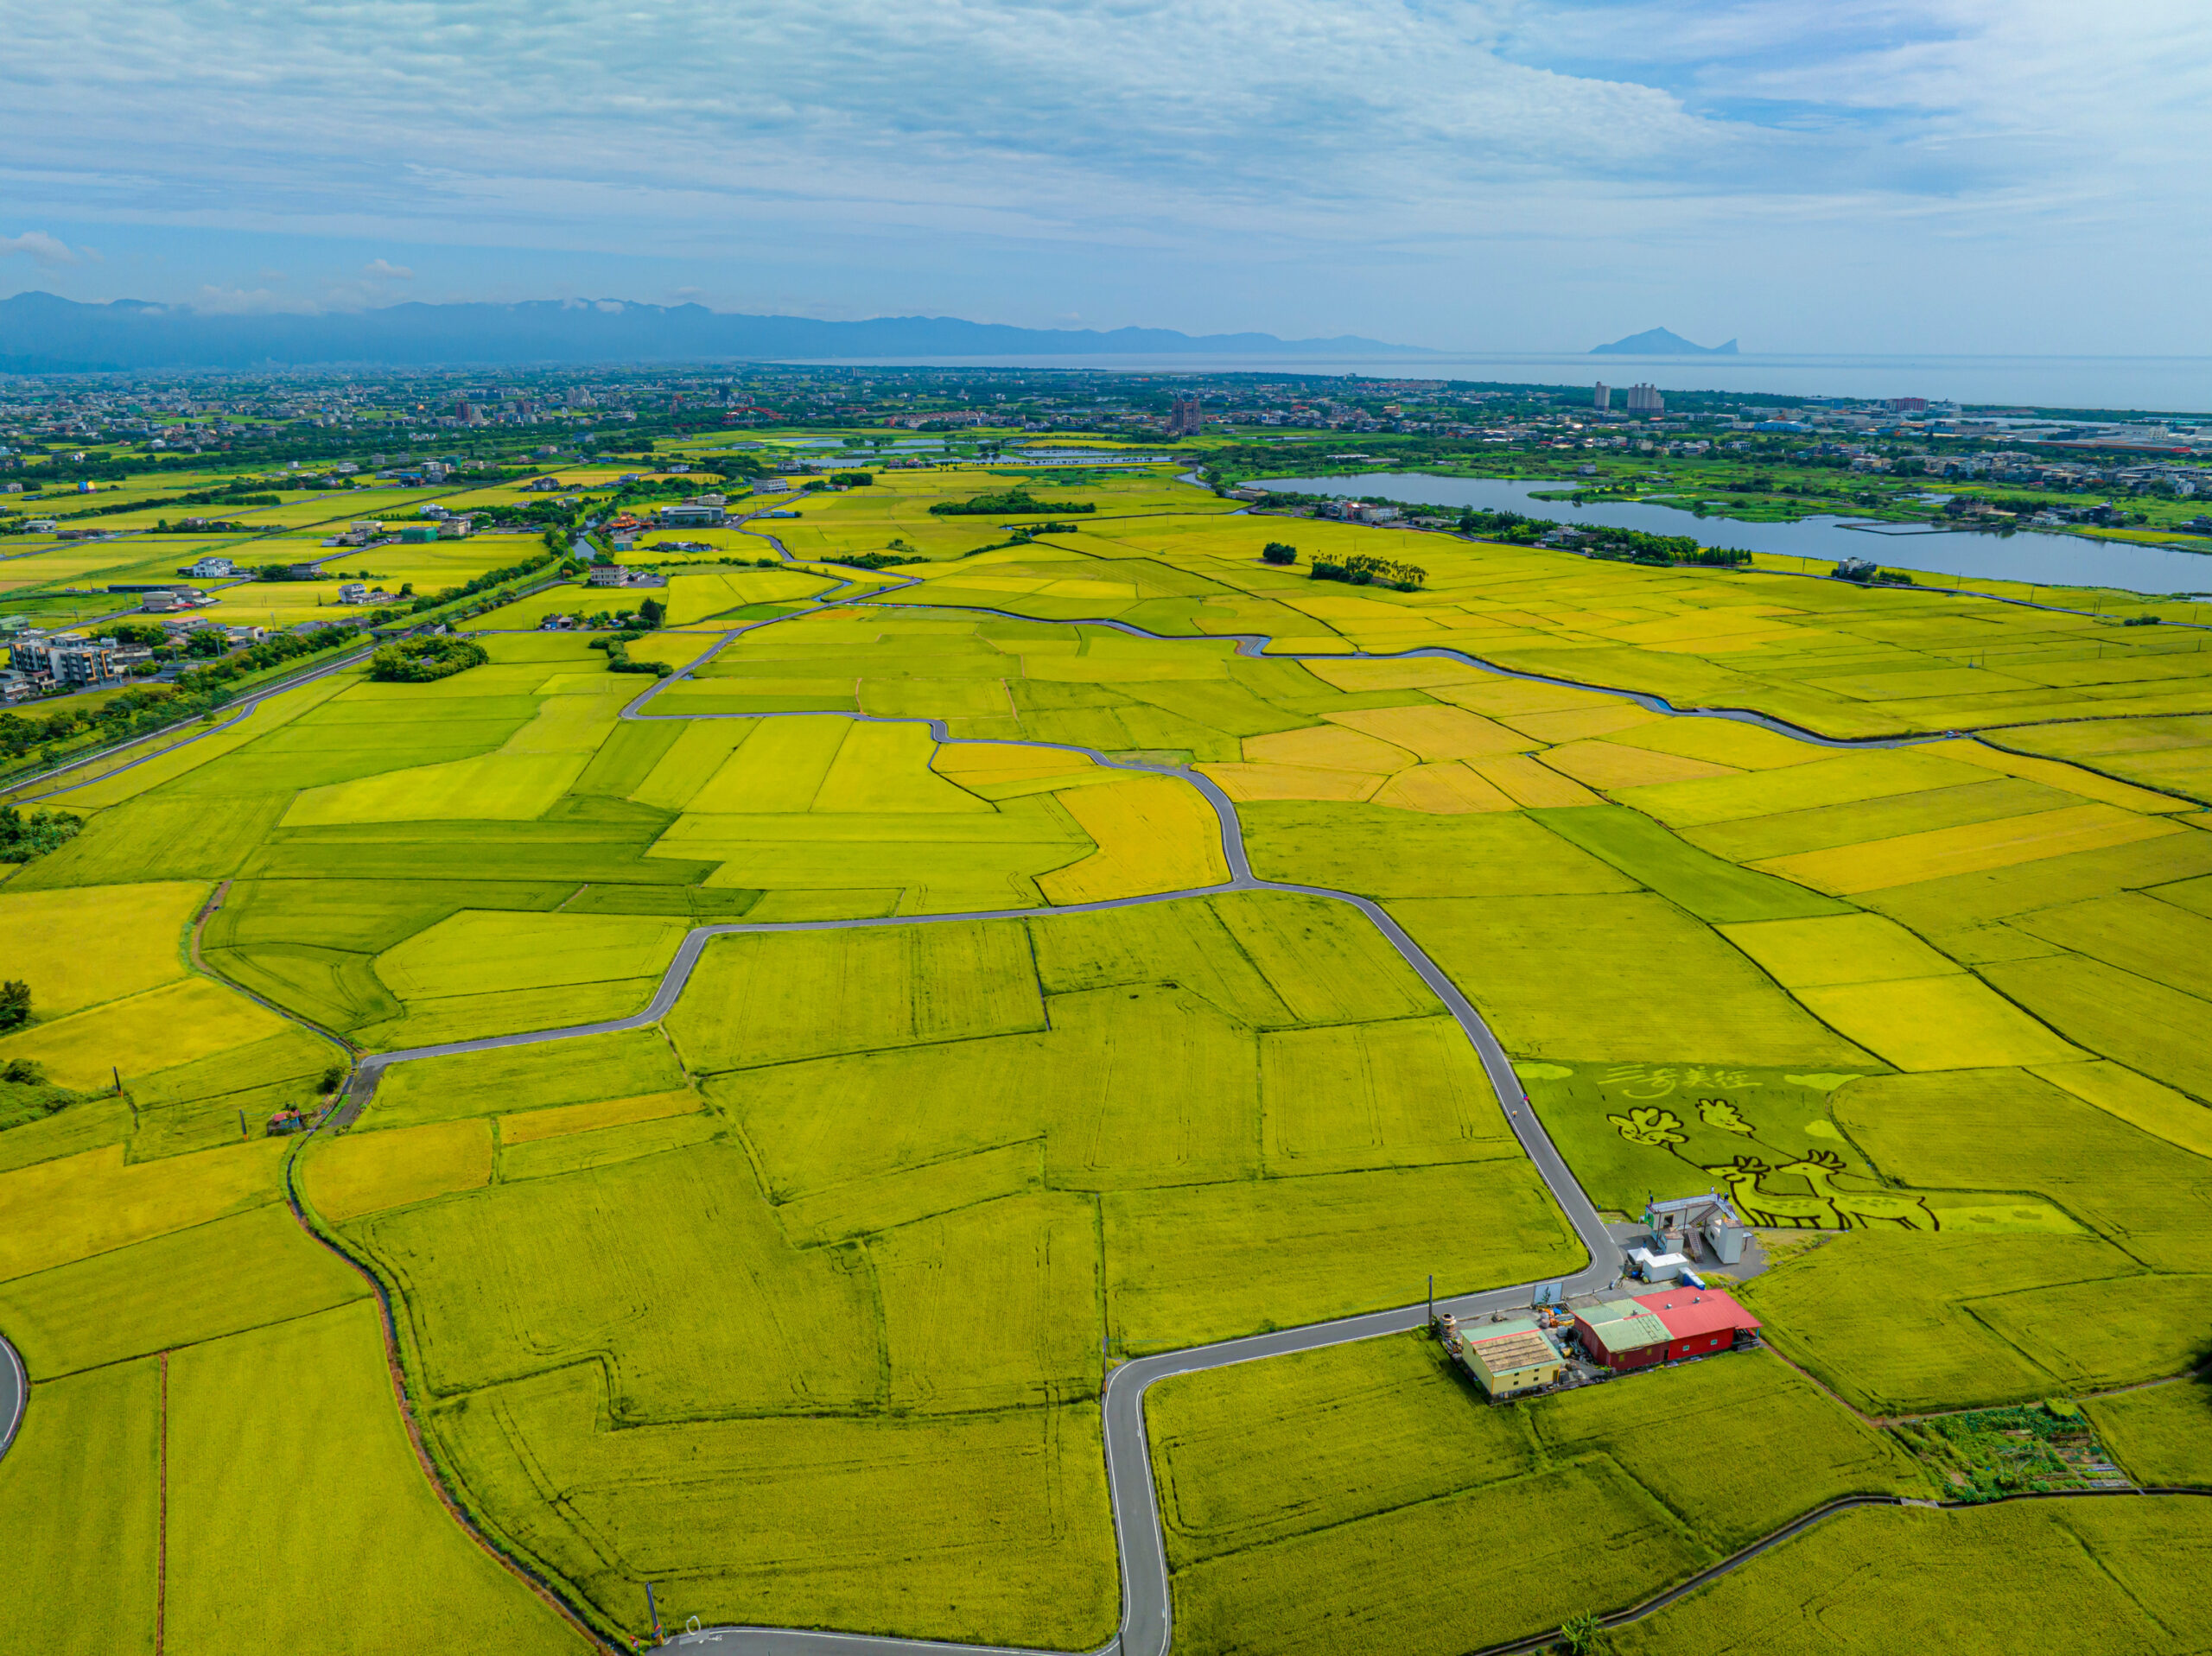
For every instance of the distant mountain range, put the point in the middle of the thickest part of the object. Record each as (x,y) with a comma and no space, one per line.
(1661,342)
(41,333)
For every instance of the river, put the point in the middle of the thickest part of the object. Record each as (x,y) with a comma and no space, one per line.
(2032,555)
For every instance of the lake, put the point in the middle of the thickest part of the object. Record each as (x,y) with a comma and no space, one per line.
(2032,555)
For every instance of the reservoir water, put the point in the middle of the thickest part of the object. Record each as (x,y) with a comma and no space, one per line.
(2032,555)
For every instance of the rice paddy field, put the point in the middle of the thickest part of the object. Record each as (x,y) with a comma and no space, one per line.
(795,1297)
(1336,1499)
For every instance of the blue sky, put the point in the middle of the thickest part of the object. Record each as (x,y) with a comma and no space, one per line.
(1953,175)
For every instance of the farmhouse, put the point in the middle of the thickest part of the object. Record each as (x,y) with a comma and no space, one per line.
(1668,1327)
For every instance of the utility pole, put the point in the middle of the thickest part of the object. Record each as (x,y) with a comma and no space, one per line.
(1431,1298)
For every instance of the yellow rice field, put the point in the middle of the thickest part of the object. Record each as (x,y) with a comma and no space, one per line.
(1154,833)
(366,1172)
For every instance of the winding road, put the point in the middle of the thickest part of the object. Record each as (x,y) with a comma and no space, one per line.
(1146,1627)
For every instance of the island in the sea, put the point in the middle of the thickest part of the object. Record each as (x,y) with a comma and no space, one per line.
(1661,342)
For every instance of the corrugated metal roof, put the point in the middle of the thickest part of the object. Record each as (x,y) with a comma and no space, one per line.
(1477,1331)
(1690,1312)
(1610,1311)
(1630,1333)
(1527,1349)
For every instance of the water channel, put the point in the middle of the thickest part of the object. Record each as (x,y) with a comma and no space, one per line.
(2031,555)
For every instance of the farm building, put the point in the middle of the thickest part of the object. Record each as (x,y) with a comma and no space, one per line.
(1622,1334)
(1689,1225)
(1697,1320)
(1669,1327)
(1507,1357)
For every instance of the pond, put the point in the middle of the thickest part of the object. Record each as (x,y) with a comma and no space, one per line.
(2031,555)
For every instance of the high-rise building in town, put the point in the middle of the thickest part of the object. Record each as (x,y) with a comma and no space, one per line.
(1646,399)
(1603,396)
(1185,418)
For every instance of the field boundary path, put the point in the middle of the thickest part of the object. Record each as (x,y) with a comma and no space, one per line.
(1146,1627)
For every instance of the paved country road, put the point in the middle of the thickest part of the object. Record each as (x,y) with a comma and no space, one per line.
(14,1392)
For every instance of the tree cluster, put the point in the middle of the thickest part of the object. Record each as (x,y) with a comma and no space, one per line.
(1017,501)
(1361,570)
(616,646)
(418,661)
(22,838)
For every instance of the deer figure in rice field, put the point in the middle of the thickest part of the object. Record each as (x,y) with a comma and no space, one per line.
(1860,1207)
(1772,1209)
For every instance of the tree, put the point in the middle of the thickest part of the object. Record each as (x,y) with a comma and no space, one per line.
(652,613)
(1582,1635)
(15,1004)
(208,642)
(1279,552)
(332,1079)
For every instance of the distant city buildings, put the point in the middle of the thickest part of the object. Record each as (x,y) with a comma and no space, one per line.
(1603,396)
(1185,417)
(1646,399)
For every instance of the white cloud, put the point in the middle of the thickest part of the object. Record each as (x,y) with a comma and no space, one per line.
(1487,142)
(49,251)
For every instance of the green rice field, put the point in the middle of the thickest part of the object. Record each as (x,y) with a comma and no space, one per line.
(797,1301)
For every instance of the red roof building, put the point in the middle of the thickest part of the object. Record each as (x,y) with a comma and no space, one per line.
(1699,1320)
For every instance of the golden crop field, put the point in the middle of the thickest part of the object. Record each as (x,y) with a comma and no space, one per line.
(798,1300)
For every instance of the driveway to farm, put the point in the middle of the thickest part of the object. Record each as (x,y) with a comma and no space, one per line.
(1147,1625)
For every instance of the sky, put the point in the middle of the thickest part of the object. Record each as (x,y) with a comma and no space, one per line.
(1946,176)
